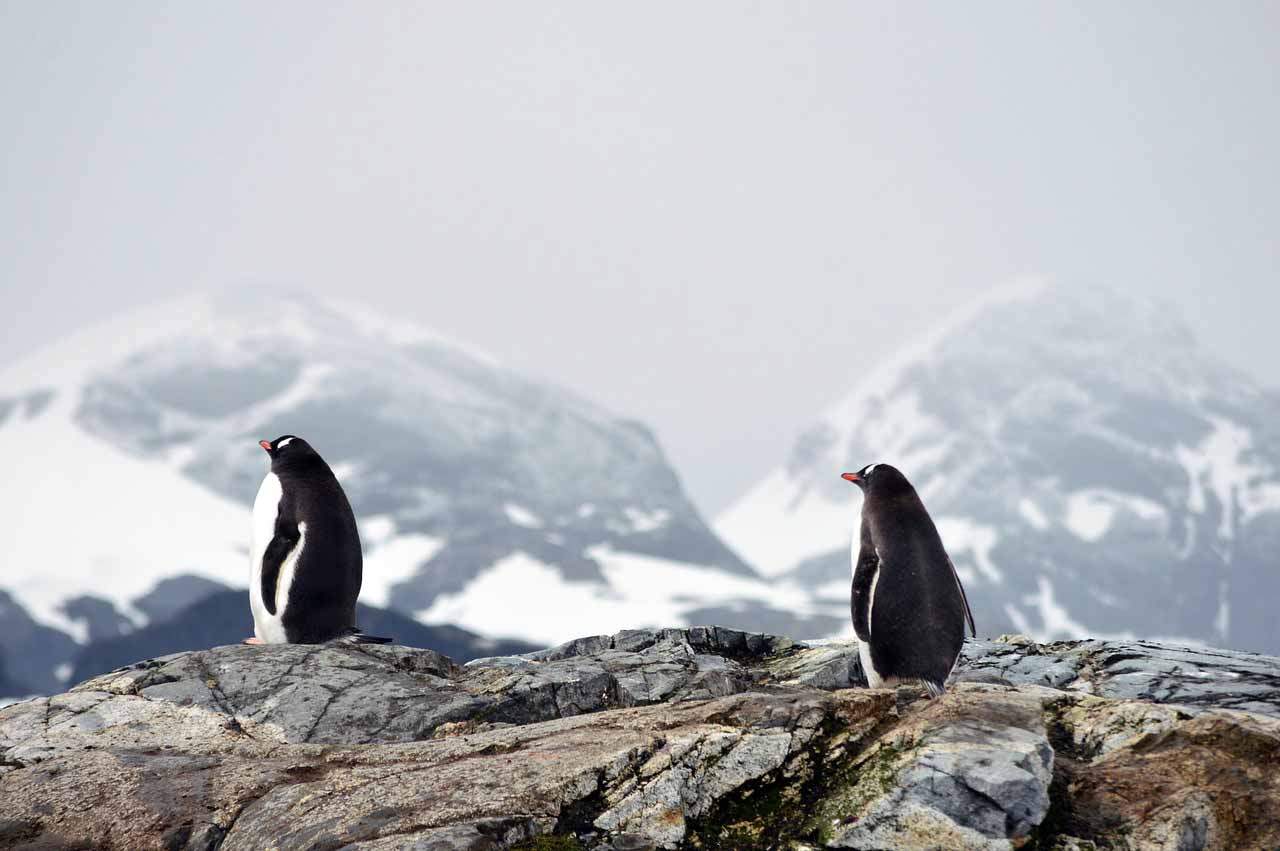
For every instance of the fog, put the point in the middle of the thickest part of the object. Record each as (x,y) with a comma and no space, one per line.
(707,217)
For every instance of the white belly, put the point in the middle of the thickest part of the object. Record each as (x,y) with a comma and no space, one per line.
(864,653)
(267,627)
(871,601)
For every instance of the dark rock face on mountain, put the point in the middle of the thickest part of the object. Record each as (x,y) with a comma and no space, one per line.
(223,618)
(9,686)
(30,651)
(697,738)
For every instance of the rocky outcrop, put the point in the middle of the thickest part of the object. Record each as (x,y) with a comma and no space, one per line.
(698,738)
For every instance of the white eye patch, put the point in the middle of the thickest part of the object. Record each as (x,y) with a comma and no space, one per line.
(282,443)
(870,470)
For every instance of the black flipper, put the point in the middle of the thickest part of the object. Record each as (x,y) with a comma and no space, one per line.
(273,558)
(964,597)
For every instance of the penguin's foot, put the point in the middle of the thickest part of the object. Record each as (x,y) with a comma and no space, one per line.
(253,640)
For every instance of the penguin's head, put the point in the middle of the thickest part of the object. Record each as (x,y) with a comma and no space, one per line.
(287,449)
(876,477)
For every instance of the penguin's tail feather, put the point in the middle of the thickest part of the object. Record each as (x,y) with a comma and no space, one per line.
(934,689)
(361,638)
(358,637)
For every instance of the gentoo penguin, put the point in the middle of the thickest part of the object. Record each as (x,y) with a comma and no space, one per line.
(306,561)
(909,608)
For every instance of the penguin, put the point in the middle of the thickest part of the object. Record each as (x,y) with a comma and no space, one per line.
(306,562)
(909,608)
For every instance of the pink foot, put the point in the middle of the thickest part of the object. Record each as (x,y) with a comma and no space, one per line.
(252,641)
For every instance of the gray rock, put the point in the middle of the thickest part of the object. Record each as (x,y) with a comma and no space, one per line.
(1144,670)
(704,737)
(981,779)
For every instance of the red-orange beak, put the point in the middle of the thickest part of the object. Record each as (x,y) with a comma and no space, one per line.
(265,444)
(851,477)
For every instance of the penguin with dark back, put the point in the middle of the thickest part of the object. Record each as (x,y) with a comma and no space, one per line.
(909,608)
(306,564)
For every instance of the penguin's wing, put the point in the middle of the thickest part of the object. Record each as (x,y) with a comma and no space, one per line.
(282,543)
(864,583)
(963,597)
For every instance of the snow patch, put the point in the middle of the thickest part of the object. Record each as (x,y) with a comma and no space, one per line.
(1091,513)
(781,522)
(127,543)
(901,430)
(1032,514)
(646,521)
(1088,516)
(1218,465)
(837,590)
(521,595)
(963,535)
(1055,621)
(376,528)
(345,471)
(522,516)
(1261,499)
(392,561)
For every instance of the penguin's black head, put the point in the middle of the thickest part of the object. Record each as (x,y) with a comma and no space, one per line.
(878,477)
(287,448)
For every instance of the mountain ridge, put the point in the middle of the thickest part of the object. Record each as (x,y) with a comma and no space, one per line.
(1091,470)
(486,499)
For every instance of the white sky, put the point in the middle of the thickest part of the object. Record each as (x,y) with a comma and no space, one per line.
(709,216)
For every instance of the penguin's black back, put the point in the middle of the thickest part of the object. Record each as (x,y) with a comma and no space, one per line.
(326,581)
(918,611)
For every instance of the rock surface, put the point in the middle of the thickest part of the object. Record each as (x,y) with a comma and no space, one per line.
(680,738)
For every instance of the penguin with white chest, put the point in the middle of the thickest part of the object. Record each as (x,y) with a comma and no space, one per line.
(909,608)
(306,564)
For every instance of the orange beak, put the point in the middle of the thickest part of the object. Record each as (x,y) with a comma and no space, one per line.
(265,444)
(850,477)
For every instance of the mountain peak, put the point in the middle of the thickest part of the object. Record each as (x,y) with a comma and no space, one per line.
(1072,444)
(486,499)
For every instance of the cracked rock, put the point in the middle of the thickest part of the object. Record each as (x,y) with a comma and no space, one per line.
(647,739)
(975,768)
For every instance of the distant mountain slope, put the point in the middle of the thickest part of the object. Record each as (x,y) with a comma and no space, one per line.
(485,498)
(36,659)
(1091,469)
(223,618)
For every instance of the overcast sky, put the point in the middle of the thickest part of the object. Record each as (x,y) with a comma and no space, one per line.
(708,216)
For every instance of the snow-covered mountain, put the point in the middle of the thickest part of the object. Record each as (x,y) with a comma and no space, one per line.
(1091,469)
(486,499)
